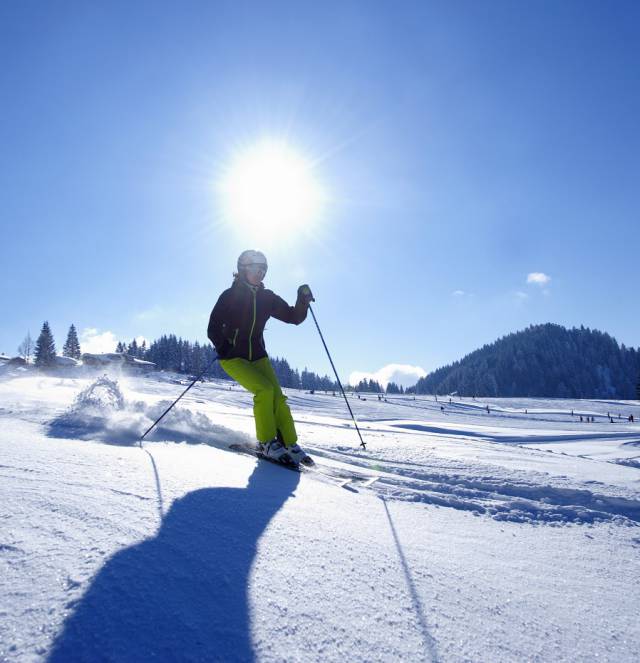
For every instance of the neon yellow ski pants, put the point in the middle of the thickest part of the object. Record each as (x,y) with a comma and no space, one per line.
(270,407)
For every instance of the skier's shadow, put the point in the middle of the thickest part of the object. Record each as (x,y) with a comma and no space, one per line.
(182,595)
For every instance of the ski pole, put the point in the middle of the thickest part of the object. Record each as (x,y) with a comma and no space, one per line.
(362,444)
(154,424)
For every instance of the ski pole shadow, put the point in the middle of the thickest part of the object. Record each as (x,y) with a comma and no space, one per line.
(158,485)
(183,594)
(429,640)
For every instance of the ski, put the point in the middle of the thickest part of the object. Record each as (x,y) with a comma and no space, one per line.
(340,478)
(355,480)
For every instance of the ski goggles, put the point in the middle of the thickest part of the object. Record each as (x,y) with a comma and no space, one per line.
(256,268)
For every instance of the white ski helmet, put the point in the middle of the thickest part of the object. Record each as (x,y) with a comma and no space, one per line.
(251,258)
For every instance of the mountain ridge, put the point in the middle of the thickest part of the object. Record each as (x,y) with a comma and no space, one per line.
(545,360)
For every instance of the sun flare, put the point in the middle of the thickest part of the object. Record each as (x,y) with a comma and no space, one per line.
(270,190)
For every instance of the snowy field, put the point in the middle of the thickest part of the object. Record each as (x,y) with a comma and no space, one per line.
(460,534)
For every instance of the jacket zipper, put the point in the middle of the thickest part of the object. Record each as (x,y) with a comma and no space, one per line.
(253,324)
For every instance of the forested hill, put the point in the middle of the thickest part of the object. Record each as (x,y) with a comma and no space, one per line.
(543,360)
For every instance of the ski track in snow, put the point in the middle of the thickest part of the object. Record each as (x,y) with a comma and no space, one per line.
(517,497)
(93,527)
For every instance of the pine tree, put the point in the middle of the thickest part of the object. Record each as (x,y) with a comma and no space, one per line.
(45,348)
(307,380)
(543,360)
(72,345)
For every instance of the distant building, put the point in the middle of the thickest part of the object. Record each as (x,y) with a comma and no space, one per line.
(61,361)
(117,359)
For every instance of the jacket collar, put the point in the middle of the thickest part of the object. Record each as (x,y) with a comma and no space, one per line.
(240,283)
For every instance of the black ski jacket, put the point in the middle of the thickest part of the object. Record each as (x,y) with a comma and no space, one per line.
(237,321)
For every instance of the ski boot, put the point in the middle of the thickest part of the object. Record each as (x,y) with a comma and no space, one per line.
(299,455)
(274,450)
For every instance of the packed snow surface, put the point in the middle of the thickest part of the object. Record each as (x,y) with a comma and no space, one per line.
(488,530)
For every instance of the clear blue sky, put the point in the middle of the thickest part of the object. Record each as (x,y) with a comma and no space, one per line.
(464,145)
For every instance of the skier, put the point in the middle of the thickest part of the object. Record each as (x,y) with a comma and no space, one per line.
(235,328)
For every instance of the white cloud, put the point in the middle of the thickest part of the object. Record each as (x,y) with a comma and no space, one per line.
(458,293)
(539,278)
(402,374)
(521,296)
(91,340)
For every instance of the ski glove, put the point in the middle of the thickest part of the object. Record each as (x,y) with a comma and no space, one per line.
(305,295)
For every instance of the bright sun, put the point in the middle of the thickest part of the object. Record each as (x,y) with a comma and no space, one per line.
(269,190)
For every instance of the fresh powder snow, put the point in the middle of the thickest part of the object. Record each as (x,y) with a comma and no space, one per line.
(488,530)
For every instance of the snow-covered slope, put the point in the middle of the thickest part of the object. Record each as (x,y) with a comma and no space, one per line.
(486,536)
